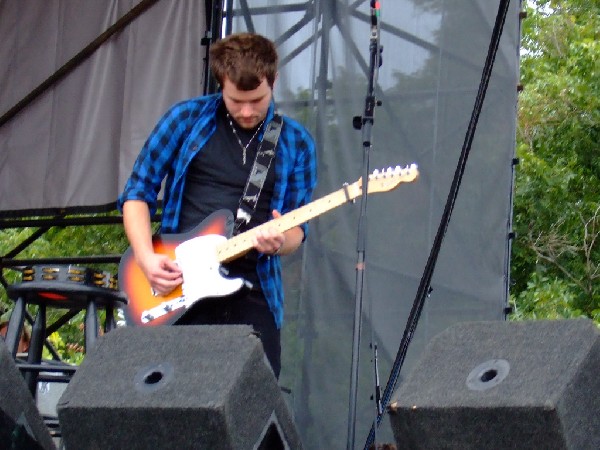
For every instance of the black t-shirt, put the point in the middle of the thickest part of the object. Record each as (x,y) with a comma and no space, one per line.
(216,179)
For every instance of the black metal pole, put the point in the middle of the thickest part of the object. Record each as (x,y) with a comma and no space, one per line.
(366,123)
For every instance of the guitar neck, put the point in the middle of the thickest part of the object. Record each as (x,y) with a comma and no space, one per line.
(379,181)
(242,243)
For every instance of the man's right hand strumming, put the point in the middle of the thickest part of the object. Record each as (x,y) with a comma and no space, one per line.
(163,274)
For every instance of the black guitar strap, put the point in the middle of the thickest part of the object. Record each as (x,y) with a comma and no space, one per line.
(258,173)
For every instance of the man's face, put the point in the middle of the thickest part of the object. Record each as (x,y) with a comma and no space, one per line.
(248,108)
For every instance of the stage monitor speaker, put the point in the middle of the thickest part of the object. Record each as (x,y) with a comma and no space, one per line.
(193,387)
(21,425)
(500,385)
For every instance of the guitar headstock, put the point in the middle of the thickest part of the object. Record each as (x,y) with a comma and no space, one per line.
(390,178)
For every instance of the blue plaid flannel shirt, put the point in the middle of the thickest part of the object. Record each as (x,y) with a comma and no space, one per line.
(180,134)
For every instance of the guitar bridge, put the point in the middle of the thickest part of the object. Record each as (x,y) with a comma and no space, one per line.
(162,309)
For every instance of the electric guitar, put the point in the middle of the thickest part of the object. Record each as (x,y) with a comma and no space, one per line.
(203,277)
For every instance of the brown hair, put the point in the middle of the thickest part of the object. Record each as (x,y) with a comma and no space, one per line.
(245,59)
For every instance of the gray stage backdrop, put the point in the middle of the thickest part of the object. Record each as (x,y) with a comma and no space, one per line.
(75,145)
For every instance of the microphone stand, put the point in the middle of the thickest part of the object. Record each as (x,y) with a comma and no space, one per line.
(366,123)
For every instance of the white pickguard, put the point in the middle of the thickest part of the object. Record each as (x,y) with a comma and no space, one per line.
(201,269)
(202,277)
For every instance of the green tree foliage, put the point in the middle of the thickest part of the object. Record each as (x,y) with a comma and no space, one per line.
(556,255)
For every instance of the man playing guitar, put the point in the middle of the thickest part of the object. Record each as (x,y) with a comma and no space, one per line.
(205,148)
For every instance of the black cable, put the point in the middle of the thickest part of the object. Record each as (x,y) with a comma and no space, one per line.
(425,284)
